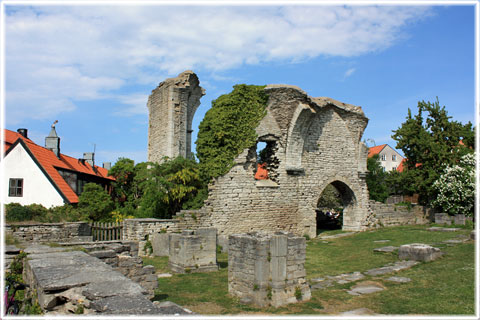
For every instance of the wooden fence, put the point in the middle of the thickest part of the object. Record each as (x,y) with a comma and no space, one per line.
(106,231)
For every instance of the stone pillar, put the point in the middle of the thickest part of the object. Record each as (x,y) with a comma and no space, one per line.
(267,269)
(193,251)
(171,108)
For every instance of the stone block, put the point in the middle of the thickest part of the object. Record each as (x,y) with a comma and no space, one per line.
(443,218)
(160,244)
(459,219)
(418,252)
(277,276)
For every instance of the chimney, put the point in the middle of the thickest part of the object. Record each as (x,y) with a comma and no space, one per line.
(23,132)
(89,158)
(52,142)
(107,165)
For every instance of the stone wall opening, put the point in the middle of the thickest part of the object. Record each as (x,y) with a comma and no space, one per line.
(267,161)
(336,201)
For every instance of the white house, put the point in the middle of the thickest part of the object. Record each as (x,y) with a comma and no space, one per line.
(389,158)
(36,174)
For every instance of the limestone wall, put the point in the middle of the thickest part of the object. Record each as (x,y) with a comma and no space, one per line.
(316,141)
(395,215)
(50,232)
(138,229)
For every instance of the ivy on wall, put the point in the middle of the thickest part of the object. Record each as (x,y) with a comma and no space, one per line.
(229,127)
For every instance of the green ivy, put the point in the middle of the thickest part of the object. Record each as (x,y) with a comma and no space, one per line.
(229,127)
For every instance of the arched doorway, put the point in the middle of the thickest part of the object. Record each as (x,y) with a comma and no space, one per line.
(336,201)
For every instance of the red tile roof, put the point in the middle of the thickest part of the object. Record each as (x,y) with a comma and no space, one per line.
(11,137)
(375,150)
(50,163)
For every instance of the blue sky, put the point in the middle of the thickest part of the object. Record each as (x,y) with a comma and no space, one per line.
(93,67)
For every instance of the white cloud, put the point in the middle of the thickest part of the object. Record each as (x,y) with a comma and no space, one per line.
(57,55)
(348,73)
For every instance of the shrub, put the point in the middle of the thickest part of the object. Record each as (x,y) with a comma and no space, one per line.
(95,203)
(17,212)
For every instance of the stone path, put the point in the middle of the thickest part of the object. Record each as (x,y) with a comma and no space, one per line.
(335,236)
(66,279)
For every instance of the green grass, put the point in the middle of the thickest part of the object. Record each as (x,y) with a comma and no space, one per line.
(444,286)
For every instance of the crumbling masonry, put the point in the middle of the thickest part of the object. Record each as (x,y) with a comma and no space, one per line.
(171,108)
(313,142)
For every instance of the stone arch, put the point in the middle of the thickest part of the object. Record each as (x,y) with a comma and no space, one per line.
(348,196)
(299,127)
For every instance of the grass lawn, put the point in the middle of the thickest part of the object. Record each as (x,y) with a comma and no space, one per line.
(444,286)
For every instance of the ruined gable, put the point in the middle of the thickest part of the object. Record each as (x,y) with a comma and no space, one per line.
(171,107)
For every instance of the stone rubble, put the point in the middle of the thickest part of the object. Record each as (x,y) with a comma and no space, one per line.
(418,252)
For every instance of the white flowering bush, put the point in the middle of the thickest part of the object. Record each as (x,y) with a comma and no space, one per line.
(456,187)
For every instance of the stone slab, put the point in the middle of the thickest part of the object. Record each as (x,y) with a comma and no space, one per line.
(360,289)
(441,229)
(381,241)
(386,249)
(339,235)
(390,268)
(399,279)
(10,249)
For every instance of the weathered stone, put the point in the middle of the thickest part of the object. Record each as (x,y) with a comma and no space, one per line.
(171,108)
(385,249)
(10,249)
(472,235)
(339,235)
(102,254)
(399,279)
(443,218)
(365,288)
(262,269)
(390,268)
(381,241)
(418,252)
(160,244)
(194,251)
(443,229)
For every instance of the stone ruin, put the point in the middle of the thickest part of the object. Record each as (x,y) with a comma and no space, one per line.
(171,108)
(312,142)
(267,269)
(193,251)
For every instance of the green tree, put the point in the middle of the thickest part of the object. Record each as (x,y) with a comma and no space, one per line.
(330,198)
(376,176)
(430,143)
(95,203)
(456,187)
(229,127)
(123,187)
(168,187)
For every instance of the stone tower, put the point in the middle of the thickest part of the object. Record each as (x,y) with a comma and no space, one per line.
(171,107)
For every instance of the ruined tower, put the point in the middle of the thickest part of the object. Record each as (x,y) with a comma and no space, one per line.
(171,108)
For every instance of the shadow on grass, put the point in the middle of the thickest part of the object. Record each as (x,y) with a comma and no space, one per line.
(222,264)
(160,297)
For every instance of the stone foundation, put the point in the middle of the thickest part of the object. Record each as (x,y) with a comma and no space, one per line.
(50,232)
(385,215)
(193,251)
(267,269)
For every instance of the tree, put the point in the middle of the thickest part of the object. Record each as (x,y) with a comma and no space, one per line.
(168,187)
(376,176)
(95,203)
(229,127)
(430,144)
(330,198)
(123,187)
(456,187)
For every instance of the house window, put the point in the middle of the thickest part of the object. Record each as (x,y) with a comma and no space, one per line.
(384,157)
(383,169)
(394,157)
(15,188)
(394,168)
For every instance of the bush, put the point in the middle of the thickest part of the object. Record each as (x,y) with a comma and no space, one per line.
(17,212)
(95,203)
